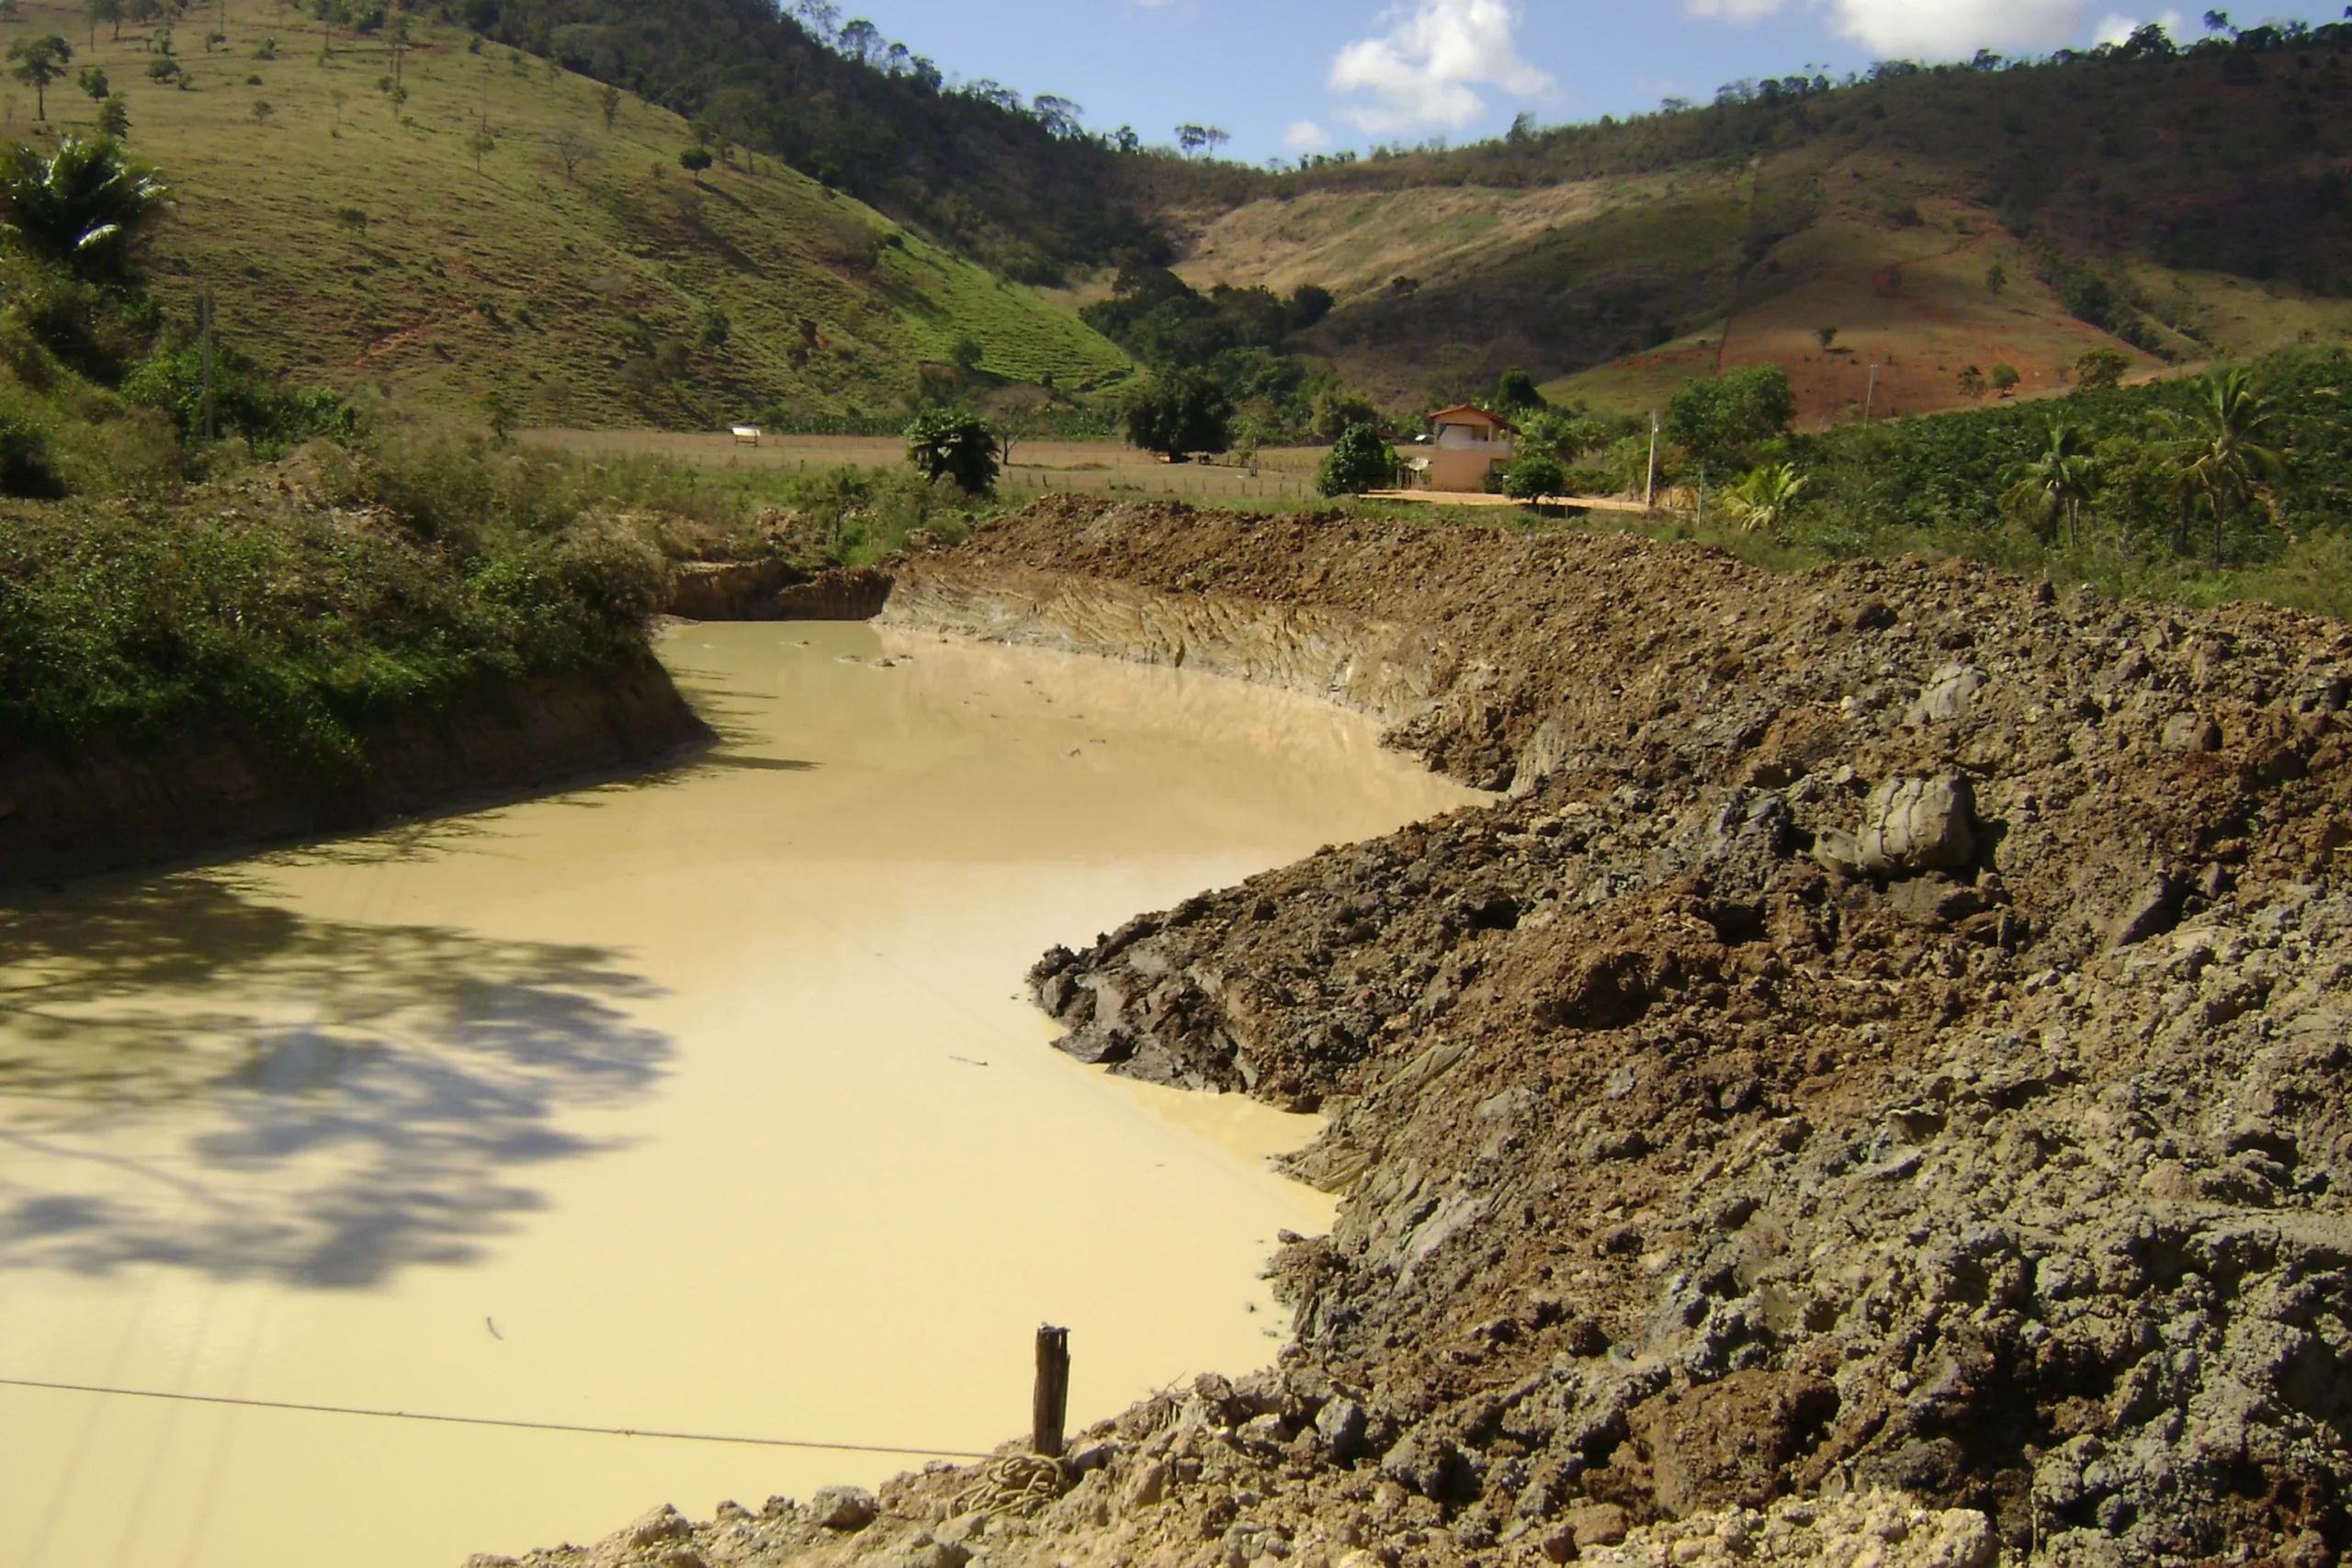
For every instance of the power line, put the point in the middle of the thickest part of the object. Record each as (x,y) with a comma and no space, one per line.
(487,1420)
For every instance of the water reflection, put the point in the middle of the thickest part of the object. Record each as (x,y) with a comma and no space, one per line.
(389,1081)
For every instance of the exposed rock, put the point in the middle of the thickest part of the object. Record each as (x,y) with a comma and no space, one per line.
(1948,695)
(843,1507)
(2191,732)
(1914,825)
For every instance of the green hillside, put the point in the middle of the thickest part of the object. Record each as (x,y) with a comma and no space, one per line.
(2172,207)
(353,240)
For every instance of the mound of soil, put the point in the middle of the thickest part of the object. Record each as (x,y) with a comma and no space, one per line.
(1875,1089)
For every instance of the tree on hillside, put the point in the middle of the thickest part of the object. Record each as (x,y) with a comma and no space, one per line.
(1178,412)
(97,11)
(87,208)
(1309,303)
(2227,450)
(1195,139)
(114,117)
(39,61)
(947,443)
(2101,367)
(1515,389)
(2005,379)
(481,145)
(93,80)
(1358,461)
(1970,381)
(2057,486)
(1996,278)
(571,148)
(608,99)
(1725,420)
(694,160)
(1826,334)
(263,108)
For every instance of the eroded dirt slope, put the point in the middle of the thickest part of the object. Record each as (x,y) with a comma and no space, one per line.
(1873,1092)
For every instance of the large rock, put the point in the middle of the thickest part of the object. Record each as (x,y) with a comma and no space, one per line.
(843,1507)
(1948,696)
(1909,825)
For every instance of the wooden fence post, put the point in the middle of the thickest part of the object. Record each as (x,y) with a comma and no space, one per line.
(1052,1402)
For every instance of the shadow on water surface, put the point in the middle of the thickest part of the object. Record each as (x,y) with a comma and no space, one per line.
(192,1076)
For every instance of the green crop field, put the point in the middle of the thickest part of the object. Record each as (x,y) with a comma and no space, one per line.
(436,245)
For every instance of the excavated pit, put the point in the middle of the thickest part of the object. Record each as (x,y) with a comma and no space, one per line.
(1874,1089)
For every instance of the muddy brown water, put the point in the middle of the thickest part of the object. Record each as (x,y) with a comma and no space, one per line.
(705,1103)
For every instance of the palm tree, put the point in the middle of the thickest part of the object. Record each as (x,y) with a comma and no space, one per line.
(86,207)
(2228,447)
(1764,499)
(2060,483)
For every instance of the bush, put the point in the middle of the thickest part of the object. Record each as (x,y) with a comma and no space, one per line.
(950,444)
(25,466)
(1532,478)
(1725,420)
(2099,369)
(273,417)
(1178,412)
(1358,461)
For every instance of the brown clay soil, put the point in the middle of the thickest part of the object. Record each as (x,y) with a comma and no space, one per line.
(1872,1092)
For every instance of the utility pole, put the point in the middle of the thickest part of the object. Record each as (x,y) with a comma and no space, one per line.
(1871,396)
(204,351)
(1650,486)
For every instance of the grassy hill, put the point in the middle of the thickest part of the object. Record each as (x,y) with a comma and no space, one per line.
(355,242)
(2172,208)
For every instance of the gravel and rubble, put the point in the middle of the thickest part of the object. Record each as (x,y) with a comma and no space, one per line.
(1872,1092)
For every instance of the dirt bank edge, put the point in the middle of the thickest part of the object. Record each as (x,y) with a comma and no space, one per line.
(110,808)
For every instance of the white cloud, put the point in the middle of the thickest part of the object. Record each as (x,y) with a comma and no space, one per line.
(1426,70)
(1305,136)
(2117,27)
(1944,29)
(1733,10)
(1949,29)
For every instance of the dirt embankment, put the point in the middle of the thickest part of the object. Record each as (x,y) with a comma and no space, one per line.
(103,807)
(1875,1091)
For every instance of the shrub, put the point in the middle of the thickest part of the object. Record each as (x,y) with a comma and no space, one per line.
(950,444)
(1358,461)
(1532,478)
(2100,369)
(25,466)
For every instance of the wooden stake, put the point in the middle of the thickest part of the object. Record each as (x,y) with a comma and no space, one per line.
(1052,1402)
(1649,485)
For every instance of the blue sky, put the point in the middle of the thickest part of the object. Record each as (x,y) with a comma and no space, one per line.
(1287,75)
